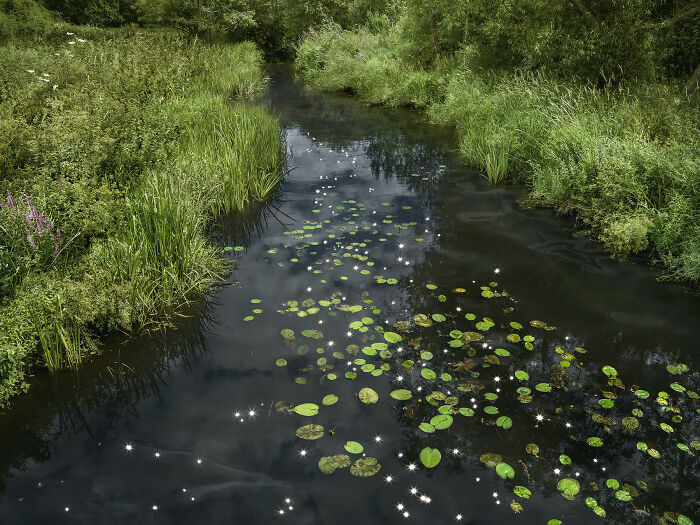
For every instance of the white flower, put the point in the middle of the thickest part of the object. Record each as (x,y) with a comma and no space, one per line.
(71,42)
(81,40)
(70,34)
(45,74)
(30,71)
(55,86)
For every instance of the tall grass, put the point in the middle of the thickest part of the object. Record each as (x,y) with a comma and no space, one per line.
(143,139)
(233,151)
(625,161)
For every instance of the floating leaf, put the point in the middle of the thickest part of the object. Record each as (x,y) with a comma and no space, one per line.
(393,337)
(569,487)
(281,362)
(595,441)
(564,459)
(623,495)
(354,447)
(612,484)
(609,371)
(287,334)
(313,334)
(504,422)
(330,399)
(430,457)
(441,421)
(306,409)
(367,396)
(427,373)
(490,459)
(310,432)
(505,470)
(401,394)
(328,464)
(522,492)
(365,467)
(427,428)
(532,448)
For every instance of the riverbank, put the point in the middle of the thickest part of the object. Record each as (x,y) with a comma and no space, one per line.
(117,148)
(625,160)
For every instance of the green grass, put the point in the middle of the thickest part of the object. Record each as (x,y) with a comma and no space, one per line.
(145,137)
(624,161)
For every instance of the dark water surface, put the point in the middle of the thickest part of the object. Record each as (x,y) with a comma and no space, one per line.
(173,399)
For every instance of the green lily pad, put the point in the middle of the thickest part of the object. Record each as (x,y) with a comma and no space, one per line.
(306,409)
(354,447)
(401,394)
(367,396)
(568,487)
(393,337)
(310,432)
(330,399)
(504,470)
(430,457)
(365,467)
(441,421)
(328,464)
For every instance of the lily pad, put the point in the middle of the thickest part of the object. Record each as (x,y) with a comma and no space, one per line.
(365,467)
(401,394)
(310,432)
(504,470)
(330,399)
(568,487)
(393,337)
(367,396)
(354,447)
(328,464)
(306,409)
(430,457)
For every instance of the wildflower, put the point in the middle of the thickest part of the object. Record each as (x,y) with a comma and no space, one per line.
(69,34)
(81,40)
(55,86)
(71,42)
(30,71)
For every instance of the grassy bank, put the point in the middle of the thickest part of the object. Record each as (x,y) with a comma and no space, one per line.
(625,159)
(116,149)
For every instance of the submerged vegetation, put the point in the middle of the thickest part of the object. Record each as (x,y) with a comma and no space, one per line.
(117,146)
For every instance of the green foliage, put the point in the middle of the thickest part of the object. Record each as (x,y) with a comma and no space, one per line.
(23,18)
(127,141)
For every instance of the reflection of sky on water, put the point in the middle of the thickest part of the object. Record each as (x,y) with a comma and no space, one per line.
(178,397)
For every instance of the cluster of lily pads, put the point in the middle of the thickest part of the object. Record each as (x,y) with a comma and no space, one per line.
(465,367)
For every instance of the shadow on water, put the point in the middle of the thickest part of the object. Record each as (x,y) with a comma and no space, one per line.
(377,222)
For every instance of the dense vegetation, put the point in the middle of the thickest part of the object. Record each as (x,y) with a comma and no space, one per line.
(116,147)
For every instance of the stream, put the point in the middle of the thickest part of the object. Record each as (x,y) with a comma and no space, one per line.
(399,341)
